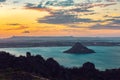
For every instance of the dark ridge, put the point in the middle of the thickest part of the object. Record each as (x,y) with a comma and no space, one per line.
(79,49)
(37,66)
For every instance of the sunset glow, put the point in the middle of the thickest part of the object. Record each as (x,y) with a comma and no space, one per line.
(32,18)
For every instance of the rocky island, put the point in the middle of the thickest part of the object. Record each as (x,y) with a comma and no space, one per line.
(79,49)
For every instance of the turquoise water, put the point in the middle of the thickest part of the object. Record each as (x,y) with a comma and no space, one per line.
(104,58)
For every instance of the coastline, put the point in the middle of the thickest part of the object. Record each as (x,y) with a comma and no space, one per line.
(54,44)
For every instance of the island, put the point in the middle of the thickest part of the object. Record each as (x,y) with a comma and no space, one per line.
(78,48)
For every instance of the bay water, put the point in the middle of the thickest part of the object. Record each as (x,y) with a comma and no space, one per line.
(106,57)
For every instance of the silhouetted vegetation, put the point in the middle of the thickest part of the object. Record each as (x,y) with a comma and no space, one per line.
(51,69)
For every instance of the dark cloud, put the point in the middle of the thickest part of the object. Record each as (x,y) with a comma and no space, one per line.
(29,5)
(112,0)
(108,26)
(117,17)
(15,2)
(2,0)
(40,5)
(80,10)
(26,32)
(56,3)
(69,16)
(66,3)
(92,13)
(107,16)
(87,6)
(116,21)
(113,21)
(44,4)
(14,24)
(75,26)
(61,18)
(113,24)
(91,1)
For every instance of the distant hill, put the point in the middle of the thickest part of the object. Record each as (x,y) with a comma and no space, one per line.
(59,38)
(38,41)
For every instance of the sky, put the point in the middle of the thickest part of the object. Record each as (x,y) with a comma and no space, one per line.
(81,18)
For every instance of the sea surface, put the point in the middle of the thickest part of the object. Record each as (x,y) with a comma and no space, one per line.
(104,58)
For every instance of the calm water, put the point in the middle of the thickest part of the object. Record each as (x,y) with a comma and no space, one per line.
(104,58)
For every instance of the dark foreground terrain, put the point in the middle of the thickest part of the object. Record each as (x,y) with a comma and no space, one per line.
(36,67)
(11,74)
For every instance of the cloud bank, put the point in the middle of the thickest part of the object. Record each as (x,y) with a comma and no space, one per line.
(2,0)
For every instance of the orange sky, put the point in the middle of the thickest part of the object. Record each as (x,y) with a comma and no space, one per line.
(59,21)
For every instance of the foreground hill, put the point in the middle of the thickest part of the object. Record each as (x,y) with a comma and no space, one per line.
(35,67)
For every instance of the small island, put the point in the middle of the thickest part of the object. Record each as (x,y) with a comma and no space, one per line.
(79,49)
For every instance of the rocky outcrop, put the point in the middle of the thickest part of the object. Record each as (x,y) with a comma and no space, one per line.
(79,49)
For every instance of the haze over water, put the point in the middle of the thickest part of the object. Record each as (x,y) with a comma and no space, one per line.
(104,58)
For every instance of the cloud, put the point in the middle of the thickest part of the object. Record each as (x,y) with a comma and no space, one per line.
(15,2)
(117,17)
(68,15)
(60,17)
(29,5)
(116,21)
(88,6)
(112,0)
(26,32)
(107,26)
(2,0)
(68,3)
(18,28)
(92,13)
(113,20)
(107,16)
(80,10)
(44,4)
(14,24)
(56,3)
(63,19)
